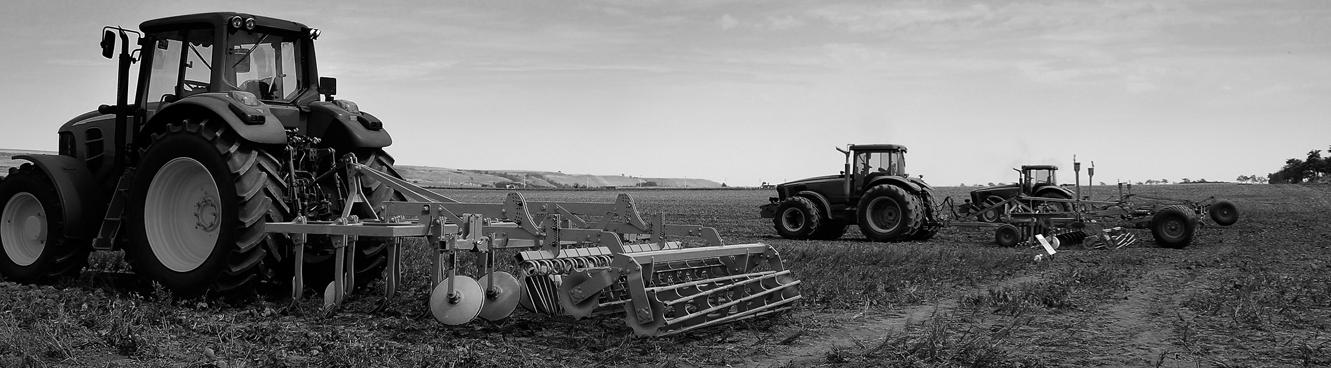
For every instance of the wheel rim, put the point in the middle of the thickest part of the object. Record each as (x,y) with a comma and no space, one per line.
(182,214)
(793,219)
(23,229)
(992,214)
(884,214)
(1172,228)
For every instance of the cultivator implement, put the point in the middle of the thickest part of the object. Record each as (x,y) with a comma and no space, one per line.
(571,259)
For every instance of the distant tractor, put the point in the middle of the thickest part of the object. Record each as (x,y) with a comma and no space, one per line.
(873,191)
(1034,181)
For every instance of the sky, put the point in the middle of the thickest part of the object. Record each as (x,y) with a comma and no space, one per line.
(746,92)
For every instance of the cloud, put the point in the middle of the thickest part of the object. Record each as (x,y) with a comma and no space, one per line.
(728,22)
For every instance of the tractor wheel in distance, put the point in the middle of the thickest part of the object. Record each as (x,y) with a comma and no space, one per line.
(371,252)
(197,206)
(1053,206)
(888,213)
(1007,236)
(1224,213)
(994,214)
(829,230)
(32,239)
(1173,226)
(797,218)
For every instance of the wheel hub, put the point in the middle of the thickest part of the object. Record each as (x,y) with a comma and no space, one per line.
(884,214)
(793,219)
(23,229)
(181,188)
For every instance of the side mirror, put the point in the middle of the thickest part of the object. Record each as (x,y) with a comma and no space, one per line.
(327,86)
(108,44)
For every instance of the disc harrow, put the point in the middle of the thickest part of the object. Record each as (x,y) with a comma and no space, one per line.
(575,259)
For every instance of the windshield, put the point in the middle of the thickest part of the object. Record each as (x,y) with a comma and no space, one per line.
(1041,176)
(892,163)
(264,64)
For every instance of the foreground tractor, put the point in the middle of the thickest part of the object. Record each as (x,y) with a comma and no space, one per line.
(873,191)
(235,166)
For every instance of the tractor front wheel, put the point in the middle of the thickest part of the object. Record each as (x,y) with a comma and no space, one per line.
(797,218)
(32,239)
(888,213)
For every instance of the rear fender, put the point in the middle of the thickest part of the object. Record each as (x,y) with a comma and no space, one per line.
(79,200)
(345,130)
(221,106)
(897,181)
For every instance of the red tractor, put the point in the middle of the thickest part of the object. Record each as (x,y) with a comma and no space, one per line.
(227,131)
(873,191)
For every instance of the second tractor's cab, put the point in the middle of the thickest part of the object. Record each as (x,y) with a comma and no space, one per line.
(821,207)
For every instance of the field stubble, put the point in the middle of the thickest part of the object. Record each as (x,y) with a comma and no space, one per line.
(1252,294)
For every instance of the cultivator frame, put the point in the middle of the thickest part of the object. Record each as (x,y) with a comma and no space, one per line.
(574,258)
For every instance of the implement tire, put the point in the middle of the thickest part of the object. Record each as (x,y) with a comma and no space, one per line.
(1174,226)
(33,247)
(888,213)
(1224,213)
(798,218)
(197,208)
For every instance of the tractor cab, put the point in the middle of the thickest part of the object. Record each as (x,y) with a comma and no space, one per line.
(1038,176)
(867,162)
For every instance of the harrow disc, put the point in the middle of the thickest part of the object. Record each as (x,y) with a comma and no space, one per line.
(462,306)
(502,298)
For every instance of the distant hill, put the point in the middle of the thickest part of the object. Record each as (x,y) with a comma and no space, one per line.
(443,177)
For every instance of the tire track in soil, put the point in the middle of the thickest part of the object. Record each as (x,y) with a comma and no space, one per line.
(865,332)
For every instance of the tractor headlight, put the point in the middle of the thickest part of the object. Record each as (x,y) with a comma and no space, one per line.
(245,98)
(347,105)
(249,24)
(236,22)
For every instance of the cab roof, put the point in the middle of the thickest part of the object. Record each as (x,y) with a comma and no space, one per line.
(877,147)
(215,19)
(1038,167)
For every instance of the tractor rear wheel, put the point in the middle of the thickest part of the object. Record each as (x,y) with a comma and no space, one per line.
(1224,213)
(1043,206)
(1173,226)
(797,218)
(198,203)
(32,239)
(888,213)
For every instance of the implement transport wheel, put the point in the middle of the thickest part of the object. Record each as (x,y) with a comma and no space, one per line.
(1007,236)
(32,239)
(1174,226)
(1223,213)
(888,213)
(797,218)
(197,206)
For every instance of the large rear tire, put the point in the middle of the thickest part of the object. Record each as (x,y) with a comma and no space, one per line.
(33,247)
(797,218)
(1174,226)
(888,213)
(197,207)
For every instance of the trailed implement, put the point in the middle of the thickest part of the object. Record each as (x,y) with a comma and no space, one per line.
(569,259)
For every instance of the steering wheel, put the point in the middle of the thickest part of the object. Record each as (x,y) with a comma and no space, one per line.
(195,85)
